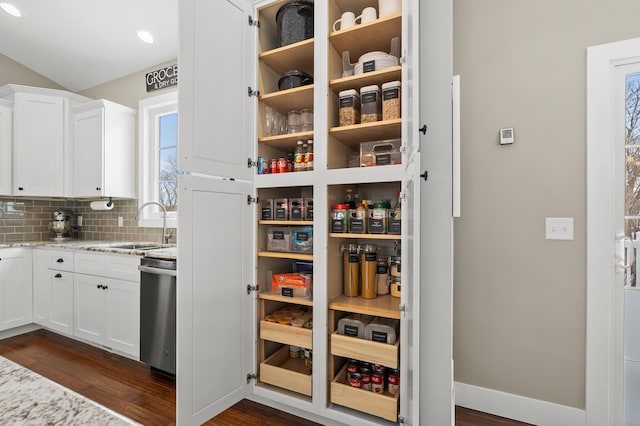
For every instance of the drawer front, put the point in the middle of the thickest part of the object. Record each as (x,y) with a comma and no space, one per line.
(60,260)
(90,264)
(123,267)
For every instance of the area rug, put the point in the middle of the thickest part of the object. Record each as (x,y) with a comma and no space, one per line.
(26,398)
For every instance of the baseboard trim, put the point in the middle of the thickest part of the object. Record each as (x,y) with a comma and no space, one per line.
(516,407)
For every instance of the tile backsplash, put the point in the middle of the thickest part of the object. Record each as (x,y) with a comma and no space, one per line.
(28,219)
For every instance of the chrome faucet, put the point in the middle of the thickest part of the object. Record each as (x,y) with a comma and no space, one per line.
(165,235)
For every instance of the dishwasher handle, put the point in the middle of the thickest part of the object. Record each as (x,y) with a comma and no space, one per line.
(157,271)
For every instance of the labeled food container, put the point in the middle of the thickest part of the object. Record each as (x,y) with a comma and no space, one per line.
(281,209)
(308,209)
(266,209)
(279,239)
(294,78)
(302,239)
(350,270)
(340,218)
(394,286)
(295,22)
(378,219)
(383,330)
(382,275)
(395,269)
(358,220)
(353,325)
(349,107)
(297,208)
(371,104)
(380,153)
(391,100)
(291,285)
(368,259)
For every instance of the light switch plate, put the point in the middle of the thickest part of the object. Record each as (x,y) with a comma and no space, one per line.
(559,228)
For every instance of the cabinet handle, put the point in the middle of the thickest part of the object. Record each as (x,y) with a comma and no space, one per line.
(98,188)
(58,276)
(20,188)
(99,286)
(60,260)
(104,287)
(423,129)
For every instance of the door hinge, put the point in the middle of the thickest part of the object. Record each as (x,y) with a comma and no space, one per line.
(402,308)
(403,195)
(251,199)
(402,60)
(251,163)
(253,22)
(252,92)
(403,148)
(401,420)
(251,288)
(251,376)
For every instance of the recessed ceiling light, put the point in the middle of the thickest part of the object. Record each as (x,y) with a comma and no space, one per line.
(144,35)
(11,9)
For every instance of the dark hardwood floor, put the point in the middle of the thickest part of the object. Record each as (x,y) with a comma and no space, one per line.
(130,388)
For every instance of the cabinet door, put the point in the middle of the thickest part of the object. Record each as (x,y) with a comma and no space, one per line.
(88,152)
(89,307)
(38,145)
(61,301)
(122,321)
(41,287)
(214,316)
(216,121)
(5,147)
(15,288)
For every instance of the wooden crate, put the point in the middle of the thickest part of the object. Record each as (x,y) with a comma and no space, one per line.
(382,405)
(365,350)
(285,372)
(286,334)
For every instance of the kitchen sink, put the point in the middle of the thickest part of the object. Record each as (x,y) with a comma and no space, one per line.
(134,246)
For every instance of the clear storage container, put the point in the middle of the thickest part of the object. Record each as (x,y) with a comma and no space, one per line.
(391,100)
(371,104)
(349,107)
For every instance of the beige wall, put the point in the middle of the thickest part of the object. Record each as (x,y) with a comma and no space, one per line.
(12,72)
(519,300)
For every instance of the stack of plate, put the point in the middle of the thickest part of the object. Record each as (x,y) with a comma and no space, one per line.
(381,61)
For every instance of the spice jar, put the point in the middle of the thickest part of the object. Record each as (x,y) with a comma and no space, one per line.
(371,105)
(349,107)
(358,220)
(391,100)
(378,220)
(339,218)
(351,270)
(382,275)
(394,286)
(368,257)
(394,270)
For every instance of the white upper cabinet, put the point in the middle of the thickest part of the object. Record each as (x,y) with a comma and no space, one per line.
(42,145)
(103,150)
(6,120)
(216,125)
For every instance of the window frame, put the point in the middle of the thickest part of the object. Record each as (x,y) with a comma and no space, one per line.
(149,112)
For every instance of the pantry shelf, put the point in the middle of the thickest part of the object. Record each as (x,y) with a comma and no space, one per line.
(290,99)
(285,372)
(356,133)
(382,306)
(286,222)
(366,79)
(278,298)
(295,256)
(280,59)
(366,236)
(286,141)
(364,38)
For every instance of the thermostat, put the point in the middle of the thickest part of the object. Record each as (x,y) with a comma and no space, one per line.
(506,136)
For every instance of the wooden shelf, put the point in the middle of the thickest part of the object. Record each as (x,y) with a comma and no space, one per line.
(356,133)
(360,39)
(366,79)
(277,255)
(290,99)
(366,236)
(287,334)
(293,56)
(383,405)
(285,372)
(278,298)
(286,141)
(286,222)
(382,306)
(365,350)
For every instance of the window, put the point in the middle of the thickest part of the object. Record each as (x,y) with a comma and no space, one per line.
(158,159)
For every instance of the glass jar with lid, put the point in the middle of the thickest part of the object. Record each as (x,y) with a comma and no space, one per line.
(339,218)
(378,219)
(371,104)
(349,107)
(391,100)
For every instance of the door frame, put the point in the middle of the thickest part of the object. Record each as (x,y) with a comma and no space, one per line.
(604,376)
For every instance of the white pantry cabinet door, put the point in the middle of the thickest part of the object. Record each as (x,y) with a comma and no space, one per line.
(216,121)
(38,145)
(16,306)
(89,312)
(6,136)
(214,309)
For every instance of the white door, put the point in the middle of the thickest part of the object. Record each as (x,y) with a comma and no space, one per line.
(89,294)
(122,316)
(6,138)
(216,121)
(611,160)
(88,152)
(214,309)
(15,288)
(60,302)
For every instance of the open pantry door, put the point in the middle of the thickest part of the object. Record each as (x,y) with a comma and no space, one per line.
(214,344)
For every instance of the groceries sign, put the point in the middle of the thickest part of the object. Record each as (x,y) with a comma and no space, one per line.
(162,78)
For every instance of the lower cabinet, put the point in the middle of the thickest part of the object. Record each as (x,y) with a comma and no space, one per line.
(53,290)
(16,292)
(107,312)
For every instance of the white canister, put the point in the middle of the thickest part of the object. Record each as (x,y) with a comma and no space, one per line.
(389,7)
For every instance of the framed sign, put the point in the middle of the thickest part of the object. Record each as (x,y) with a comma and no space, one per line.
(162,78)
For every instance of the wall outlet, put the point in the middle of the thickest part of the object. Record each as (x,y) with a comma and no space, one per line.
(120,222)
(79,221)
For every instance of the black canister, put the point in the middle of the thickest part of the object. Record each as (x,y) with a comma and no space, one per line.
(295,22)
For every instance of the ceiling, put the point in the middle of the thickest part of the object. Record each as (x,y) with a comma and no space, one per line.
(83,43)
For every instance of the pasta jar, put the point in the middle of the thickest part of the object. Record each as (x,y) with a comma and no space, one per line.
(382,275)
(339,218)
(371,105)
(368,258)
(349,107)
(391,100)
(351,270)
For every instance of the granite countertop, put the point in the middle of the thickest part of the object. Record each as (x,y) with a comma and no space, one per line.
(148,249)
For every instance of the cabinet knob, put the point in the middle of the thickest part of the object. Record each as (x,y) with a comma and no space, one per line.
(98,188)
(58,275)
(104,287)
(99,286)
(60,260)
(20,188)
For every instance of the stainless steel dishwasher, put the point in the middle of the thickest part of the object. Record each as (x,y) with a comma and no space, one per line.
(158,313)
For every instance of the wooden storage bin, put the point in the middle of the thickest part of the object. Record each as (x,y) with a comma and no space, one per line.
(365,350)
(286,334)
(382,405)
(285,372)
